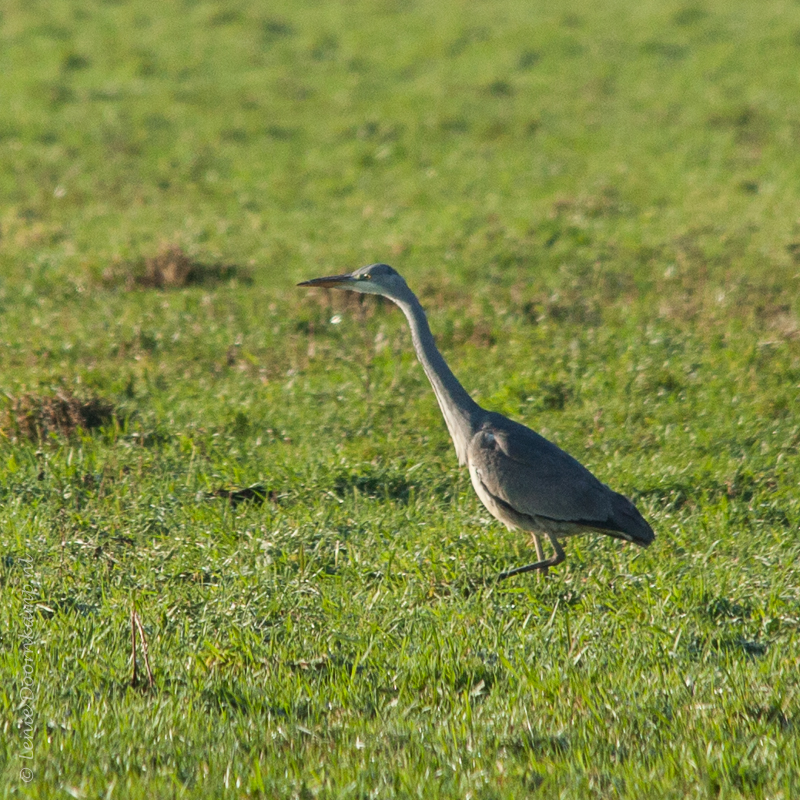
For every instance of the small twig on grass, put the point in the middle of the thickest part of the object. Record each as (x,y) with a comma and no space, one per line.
(136,625)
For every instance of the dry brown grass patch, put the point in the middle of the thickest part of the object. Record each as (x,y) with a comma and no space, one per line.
(172,268)
(31,416)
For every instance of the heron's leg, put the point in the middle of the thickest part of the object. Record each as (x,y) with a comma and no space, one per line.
(541,564)
(560,554)
(539,554)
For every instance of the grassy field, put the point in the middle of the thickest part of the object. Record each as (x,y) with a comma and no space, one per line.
(599,206)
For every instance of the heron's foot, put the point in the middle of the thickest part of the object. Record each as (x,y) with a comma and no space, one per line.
(542,565)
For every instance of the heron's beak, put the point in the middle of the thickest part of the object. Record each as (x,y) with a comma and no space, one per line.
(330,282)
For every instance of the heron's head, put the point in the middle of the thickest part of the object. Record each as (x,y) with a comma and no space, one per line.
(374,279)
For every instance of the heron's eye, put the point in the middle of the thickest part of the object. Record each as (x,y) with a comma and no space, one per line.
(368,277)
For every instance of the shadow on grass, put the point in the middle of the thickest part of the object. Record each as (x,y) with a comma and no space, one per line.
(720,645)
(256,494)
(742,486)
(721,608)
(378,484)
(542,746)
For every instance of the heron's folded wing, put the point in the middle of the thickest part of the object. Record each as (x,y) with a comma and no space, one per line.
(537,478)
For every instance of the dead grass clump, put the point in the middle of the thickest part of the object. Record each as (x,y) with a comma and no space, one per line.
(606,203)
(32,416)
(567,306)
(172,268)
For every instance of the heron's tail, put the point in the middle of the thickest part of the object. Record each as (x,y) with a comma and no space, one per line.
(625,517)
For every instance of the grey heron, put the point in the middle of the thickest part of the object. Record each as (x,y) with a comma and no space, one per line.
(524,480)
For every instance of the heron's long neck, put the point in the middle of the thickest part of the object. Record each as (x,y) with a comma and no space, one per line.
(459,409)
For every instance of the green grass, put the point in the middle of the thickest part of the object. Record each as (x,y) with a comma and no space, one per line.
(598,205)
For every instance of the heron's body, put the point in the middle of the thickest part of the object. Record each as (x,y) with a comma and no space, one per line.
(524,480)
